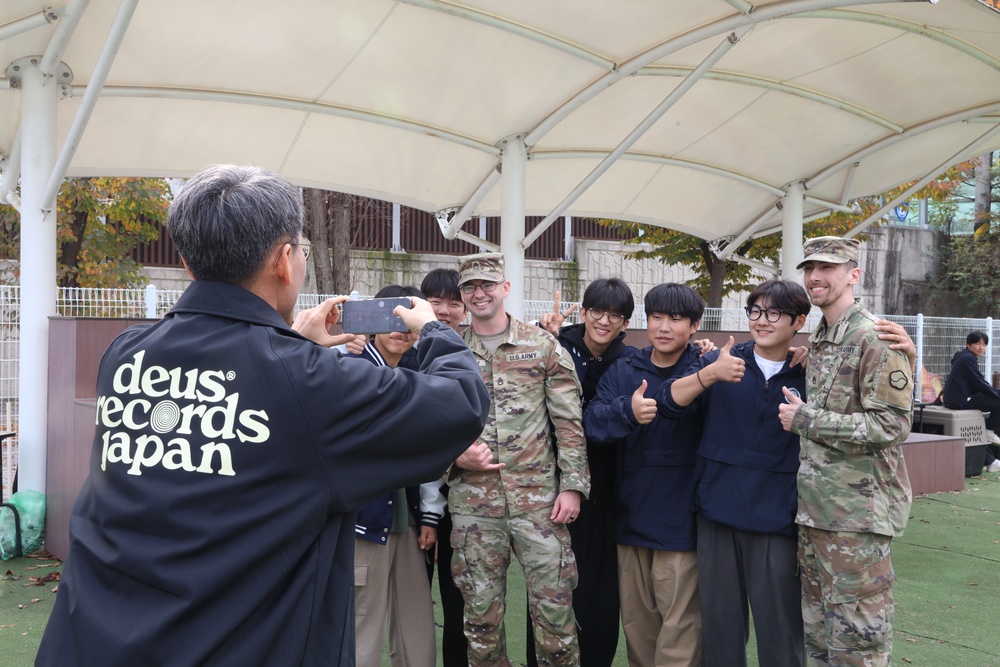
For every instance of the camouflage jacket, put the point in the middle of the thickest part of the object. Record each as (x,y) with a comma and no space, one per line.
(534,390)
(851,473)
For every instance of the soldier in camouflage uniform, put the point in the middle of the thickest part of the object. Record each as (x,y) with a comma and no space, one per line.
(854,492)
(525,491)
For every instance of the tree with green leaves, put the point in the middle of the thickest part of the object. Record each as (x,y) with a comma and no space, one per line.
(968,258)
(100,221)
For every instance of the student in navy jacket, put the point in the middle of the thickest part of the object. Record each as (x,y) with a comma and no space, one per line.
(746,496)
(658,576)
(217,524)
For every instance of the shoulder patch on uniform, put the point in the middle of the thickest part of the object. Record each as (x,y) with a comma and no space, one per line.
(898,380)
(893,387)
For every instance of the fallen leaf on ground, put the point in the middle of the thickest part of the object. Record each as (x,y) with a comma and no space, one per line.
(41,581)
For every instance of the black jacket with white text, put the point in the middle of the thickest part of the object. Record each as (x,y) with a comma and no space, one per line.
(217,524)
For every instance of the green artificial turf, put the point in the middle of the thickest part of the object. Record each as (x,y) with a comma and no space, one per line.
(947,596)
(27,591)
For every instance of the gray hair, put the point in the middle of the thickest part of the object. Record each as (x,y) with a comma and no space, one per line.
(227,218)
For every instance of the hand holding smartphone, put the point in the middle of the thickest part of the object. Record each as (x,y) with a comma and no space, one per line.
(373,316)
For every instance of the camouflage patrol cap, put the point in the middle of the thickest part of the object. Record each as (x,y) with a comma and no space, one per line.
(830,249)
(486,266)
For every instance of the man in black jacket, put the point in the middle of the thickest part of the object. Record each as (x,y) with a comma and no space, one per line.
(217,524)
(967,389)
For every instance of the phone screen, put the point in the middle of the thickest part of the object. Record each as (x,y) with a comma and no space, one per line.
(373,316)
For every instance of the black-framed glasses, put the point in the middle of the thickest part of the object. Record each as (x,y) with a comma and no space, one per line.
(771,314)
(485,286)
(597,315)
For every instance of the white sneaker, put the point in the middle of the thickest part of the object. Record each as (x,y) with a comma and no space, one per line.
(994,467)
(993,437)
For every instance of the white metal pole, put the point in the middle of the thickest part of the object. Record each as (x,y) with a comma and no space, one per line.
(791,230)
(918,371)
(150,302)
(512,191)
(989,352)
(397,215)
(39,95)
(482,232)
(569,253)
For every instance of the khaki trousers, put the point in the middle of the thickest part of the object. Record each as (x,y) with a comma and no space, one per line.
(661,610)
(392,595)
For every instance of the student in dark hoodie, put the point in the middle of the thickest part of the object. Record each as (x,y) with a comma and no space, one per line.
(967,389)
(595,344)
(655,482)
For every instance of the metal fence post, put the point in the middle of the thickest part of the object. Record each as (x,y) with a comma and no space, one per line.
(918,381)
(989,352)
(151,302)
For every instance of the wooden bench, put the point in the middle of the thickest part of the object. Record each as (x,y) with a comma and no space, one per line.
(935,463)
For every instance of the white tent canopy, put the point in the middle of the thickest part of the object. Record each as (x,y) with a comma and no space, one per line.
(720,118)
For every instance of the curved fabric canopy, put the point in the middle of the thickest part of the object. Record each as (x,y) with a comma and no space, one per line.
(410,101)
(720,118)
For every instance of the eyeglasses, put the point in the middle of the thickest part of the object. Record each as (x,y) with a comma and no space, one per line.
(486,287)
(771,314)
(306,246)
(597,315)
(304,243)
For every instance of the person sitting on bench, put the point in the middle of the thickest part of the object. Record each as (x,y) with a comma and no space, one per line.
(967,389)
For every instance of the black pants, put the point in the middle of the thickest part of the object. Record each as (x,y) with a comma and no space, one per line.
(990,404)
(741,572)
(595,598)
(454,646)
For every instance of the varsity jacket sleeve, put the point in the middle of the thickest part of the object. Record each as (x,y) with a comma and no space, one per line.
(432,503)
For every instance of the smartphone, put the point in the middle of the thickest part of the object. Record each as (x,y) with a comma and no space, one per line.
(373,316)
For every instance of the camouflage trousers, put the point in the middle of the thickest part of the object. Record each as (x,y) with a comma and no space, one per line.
(847,603)
(482,547)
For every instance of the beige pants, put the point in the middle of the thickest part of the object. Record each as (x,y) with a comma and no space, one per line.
(392,595)
(661,610)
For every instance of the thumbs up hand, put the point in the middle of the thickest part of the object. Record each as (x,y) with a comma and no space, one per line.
(787,410)
(727,368)
(644,409)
